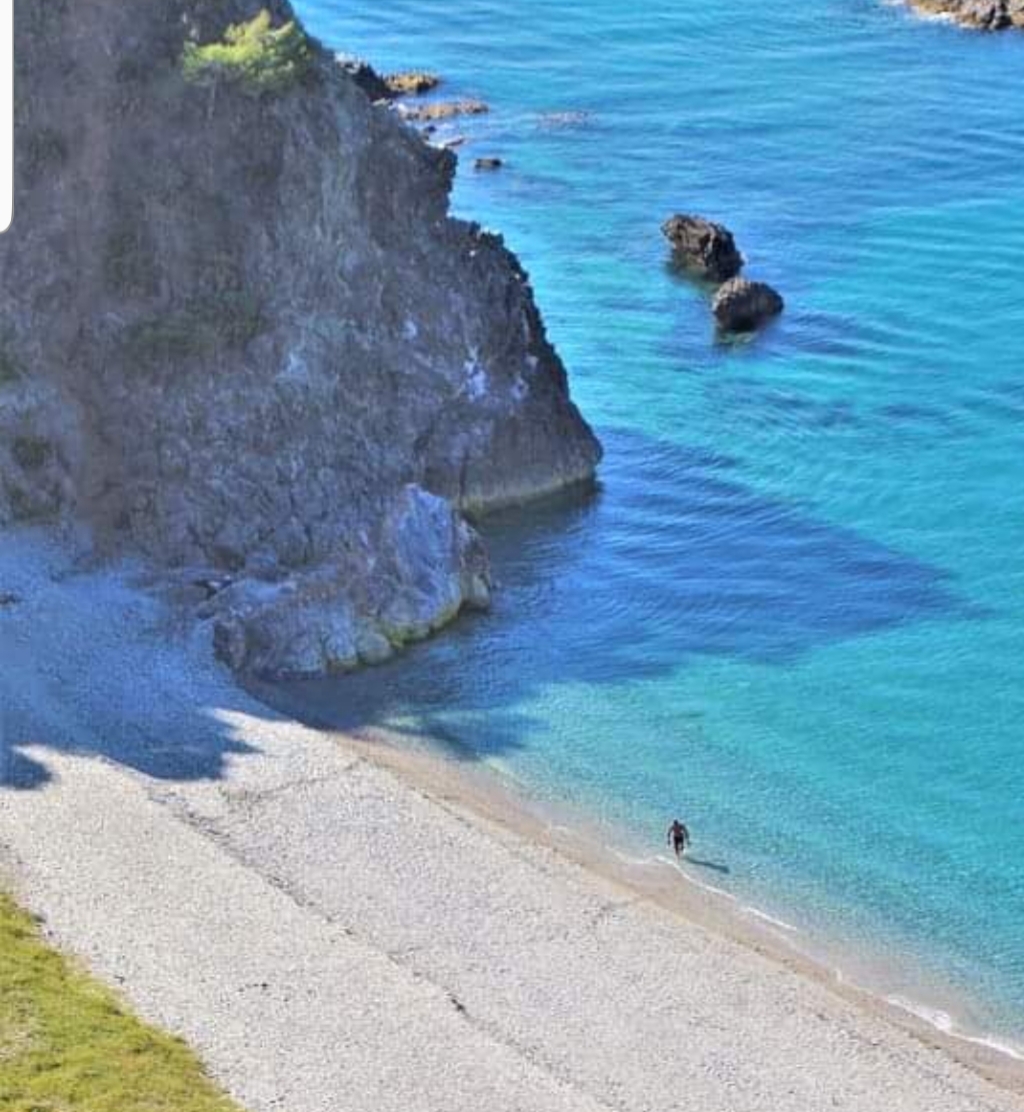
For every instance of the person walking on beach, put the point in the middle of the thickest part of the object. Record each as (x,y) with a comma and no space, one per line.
(678,837)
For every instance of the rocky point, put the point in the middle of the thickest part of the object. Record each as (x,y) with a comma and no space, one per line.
(279,367)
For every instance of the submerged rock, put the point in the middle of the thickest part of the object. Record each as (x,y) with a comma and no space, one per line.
(742,306)
(442,110)
(986,15)
(411,83)
(568,119)
(703,247)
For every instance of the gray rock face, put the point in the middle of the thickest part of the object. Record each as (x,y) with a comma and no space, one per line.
(742,306)
(34,447)
(986,15)
(430,564)
(256,341)
(703,247)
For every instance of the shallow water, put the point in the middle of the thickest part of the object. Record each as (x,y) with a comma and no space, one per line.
(795,612)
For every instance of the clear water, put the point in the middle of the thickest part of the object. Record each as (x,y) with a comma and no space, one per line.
(795,612)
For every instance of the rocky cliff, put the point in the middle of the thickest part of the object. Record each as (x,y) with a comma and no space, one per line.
(242,335)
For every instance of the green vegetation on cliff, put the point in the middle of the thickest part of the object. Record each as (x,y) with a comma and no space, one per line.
(256,54)
(68,1045)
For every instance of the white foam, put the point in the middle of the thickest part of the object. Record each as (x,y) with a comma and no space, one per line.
(629,859)
(708,887)
(781,923)
(944,1022)
(921,13)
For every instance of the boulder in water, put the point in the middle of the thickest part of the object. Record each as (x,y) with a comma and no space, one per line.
(743,306)
(412,83)
(703,247)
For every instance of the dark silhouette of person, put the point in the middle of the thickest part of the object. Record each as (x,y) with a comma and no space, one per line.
(678,837)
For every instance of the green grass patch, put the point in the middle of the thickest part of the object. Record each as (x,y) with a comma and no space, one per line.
(256,55)
(67,1044)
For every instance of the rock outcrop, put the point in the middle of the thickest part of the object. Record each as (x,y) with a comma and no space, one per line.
(703,247)
(412,83)
(985,15)
(742,306)
(430,565)
(365,76)
(242,334)
(709,251)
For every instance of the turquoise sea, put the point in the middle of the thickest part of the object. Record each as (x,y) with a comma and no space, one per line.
(794,613)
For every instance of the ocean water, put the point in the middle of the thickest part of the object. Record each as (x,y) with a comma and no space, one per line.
(794,612)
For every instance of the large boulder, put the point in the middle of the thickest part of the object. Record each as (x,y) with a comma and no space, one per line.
(742,306)
(416,569)
(703,247)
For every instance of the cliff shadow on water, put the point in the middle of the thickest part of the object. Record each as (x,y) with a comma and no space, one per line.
(673,559)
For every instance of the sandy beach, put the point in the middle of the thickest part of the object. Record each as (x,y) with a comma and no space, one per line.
(333,924)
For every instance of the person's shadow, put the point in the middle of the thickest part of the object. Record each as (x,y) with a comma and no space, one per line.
(714,866)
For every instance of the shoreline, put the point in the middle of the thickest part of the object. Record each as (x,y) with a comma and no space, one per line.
(507,802)
(332,922)
(992,1055)
(488,795)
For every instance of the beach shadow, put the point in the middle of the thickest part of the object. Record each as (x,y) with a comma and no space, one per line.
(19,771)
(162,734)
(196,748)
